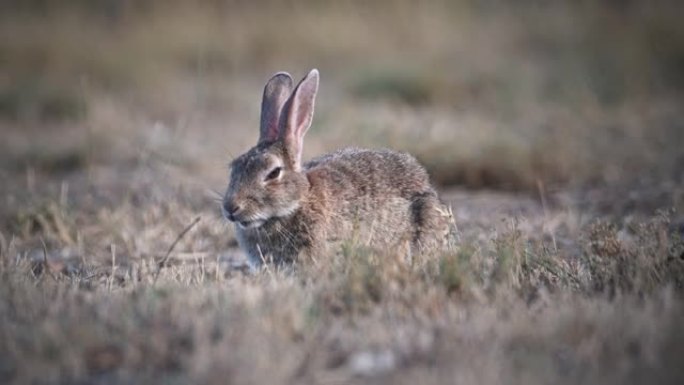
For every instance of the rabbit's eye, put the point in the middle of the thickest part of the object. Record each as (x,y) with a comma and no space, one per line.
(275,173)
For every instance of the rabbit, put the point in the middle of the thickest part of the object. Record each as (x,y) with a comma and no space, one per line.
(284,210)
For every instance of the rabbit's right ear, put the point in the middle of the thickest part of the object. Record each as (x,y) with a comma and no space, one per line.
(297,116)
(276,93)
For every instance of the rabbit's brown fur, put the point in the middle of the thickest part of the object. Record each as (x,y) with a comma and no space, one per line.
(284,210)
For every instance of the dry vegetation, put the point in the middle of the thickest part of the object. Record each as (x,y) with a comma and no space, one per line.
(555,131)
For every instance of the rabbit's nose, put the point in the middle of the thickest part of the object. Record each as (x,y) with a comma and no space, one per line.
(231,208)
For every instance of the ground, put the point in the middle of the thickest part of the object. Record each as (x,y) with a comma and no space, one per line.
(554,133)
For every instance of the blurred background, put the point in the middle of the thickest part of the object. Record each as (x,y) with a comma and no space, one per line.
(488,94)
(553,129)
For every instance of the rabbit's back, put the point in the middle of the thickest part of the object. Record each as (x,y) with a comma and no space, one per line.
(371,195)
(376,173)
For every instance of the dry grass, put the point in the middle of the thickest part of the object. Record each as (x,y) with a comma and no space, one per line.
(505,309)
(565,263)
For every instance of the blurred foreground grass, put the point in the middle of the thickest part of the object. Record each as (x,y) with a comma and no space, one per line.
(511,308)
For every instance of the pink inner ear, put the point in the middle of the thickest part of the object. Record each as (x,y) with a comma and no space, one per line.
(270,126)
(304,111)
(304,106)
(299,110)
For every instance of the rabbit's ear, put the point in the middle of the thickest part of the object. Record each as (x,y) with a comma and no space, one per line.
(276,92)
(297,116)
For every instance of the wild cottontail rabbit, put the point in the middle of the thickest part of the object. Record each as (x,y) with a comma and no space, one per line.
(283,209)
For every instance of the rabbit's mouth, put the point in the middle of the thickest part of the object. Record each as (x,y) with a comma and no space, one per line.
(244,223)
(250,224)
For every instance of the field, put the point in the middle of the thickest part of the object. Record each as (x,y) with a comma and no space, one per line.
(553,130)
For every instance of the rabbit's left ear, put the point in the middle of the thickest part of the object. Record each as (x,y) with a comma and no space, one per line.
(297,116)
(276,92)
